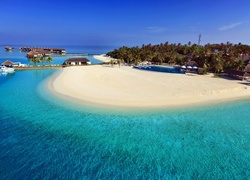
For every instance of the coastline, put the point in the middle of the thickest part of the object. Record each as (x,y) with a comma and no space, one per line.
(102,58)
(126,87)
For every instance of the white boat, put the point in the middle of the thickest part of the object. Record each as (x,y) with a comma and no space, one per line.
(8,48)
(5,69)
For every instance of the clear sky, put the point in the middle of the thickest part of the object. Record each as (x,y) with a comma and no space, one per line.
(123,22)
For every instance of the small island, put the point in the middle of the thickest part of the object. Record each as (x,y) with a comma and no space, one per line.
(112,85)
(232,59)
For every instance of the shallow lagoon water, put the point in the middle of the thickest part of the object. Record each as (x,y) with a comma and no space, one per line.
(43,137)
(17,56)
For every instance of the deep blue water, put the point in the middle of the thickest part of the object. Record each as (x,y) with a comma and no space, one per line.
(43,137)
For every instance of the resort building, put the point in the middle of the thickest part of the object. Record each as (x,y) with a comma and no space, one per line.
(191,63)
(239,74)
(77,61)
(190,66)
(39,52)
(7,63)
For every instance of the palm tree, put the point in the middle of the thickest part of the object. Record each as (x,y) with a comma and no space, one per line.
(239,65)
(213,57)
(172,58)
(41,59)
(49,59)
(217,62)
(119,62)
(112,62)
(35,60)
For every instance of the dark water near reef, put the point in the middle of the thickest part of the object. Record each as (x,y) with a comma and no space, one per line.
(42,137)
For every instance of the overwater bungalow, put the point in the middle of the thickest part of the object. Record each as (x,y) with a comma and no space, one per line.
(8,48)
(39,51)
(77,61)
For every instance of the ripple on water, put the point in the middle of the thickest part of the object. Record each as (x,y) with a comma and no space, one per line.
(44,139)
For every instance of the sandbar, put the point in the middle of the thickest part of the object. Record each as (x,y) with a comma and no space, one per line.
(103,58)
(128,87)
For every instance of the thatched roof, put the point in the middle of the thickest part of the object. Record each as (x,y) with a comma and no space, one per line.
(245,57)
(233,72)
(191,63)
(41,51)
(7,63)
(83,60)
(247,69)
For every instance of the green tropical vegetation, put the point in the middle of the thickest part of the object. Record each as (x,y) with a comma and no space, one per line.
(210,57)
(41,59)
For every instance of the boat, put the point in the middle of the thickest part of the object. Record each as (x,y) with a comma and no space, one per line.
(4,69)
(8,48)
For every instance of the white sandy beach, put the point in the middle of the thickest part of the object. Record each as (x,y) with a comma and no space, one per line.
(129,87)
(103,58)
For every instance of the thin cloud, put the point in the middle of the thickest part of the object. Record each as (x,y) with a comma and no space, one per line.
(231,26)
(155,29)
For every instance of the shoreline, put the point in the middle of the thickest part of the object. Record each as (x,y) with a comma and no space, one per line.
(106,87)
(38,67)
(102,58)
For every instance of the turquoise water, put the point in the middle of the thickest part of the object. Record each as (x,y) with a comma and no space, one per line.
(43,137)
(17,56)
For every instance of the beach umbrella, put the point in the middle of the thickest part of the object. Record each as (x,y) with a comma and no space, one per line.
(195,67)
(183,67)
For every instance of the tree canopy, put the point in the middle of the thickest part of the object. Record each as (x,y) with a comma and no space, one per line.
(41,59)
(212,57)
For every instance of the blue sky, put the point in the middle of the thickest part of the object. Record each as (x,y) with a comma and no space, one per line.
(123,22)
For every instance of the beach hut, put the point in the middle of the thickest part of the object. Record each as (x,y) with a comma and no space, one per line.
(191,63)
(191,66)
(7,63)
(247,71)
(195,67)
(31,54)
(77,61)
(235,74)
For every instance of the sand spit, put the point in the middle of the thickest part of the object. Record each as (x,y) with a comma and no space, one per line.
(129,87)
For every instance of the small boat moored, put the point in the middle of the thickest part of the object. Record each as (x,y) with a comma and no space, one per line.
(8,48)
(4,69)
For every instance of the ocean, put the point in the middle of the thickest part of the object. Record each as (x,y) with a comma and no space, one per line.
(44,137)
(18,56)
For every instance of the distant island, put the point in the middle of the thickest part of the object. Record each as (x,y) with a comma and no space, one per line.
(216,58)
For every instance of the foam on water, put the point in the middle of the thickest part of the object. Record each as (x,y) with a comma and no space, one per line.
(48,139)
